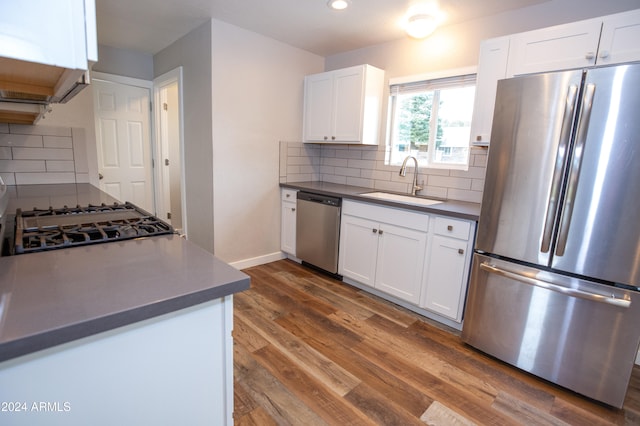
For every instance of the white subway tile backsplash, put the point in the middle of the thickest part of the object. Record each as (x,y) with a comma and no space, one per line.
(42,154)
(12,166)
(361,164)
(60,166)
(449,182)
(82,178)
(365,166)
(57,142)
(21,140)
(8,178)
(35,178)
(24,129)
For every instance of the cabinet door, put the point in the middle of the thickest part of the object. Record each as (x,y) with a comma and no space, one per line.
(348,104)
(492,66)
(560,47)
(358,249)
(401,257)
(318,104)
(288,227)
(619,39)
(446,272)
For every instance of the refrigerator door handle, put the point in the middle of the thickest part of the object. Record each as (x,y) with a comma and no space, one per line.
(558,170)
(623,303)
(572,185)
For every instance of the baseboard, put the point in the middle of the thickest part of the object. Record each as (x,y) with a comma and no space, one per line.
(260,260)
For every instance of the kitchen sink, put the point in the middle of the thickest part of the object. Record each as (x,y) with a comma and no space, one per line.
(405,199)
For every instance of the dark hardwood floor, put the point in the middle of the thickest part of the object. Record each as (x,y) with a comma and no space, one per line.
(310,350)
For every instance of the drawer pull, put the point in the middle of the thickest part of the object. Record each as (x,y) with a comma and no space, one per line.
(460,251)
(374,230)
(449,227)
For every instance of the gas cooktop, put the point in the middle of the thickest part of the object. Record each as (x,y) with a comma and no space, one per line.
(40,230)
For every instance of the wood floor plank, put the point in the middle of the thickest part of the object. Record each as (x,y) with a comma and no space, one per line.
(328,405)
(385,365)
(379,409)
(275,399)
(330,374)
(339,348)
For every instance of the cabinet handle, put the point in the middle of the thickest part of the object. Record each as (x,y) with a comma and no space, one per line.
(293,209)
(604,54)
(325,138)
(479,138)
(333,138)
(288,195)
(449,227)
(380,232)
(590,55)
(460,251)
(374,230)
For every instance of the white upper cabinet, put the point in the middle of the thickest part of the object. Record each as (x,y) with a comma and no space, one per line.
(619,41)
(611,39)
(492,66)
(607,40)
(46,47)
(343,106)
(555,48)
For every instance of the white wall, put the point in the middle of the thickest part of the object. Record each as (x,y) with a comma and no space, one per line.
(193,53)
(257,101)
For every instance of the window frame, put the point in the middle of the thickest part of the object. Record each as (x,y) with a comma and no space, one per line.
(417,79)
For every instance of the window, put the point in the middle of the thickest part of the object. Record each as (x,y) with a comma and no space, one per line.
(430,119)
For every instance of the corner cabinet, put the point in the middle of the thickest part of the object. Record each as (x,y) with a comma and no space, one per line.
(288,221)
(384,248)
(343,106)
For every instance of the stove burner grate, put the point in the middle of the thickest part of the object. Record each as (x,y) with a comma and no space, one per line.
(40,230)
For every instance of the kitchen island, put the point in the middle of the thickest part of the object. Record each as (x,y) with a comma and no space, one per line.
(127,332)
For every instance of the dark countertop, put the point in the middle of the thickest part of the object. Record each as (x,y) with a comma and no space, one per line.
(49,298)
(459,209)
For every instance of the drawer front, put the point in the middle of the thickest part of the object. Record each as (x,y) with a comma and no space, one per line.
(453,228)
(400,217)
(289,195)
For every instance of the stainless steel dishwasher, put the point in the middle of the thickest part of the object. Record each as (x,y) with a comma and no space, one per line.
(318,230)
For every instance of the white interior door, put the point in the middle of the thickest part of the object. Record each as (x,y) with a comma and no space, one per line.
(123,142)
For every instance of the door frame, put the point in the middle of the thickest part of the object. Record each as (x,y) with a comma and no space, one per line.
(174,76)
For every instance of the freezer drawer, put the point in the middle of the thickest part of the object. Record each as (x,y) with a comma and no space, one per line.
(578,334)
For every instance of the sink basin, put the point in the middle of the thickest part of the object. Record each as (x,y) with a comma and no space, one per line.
(405,199)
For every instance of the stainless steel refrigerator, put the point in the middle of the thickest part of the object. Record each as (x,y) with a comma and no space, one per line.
(556,273)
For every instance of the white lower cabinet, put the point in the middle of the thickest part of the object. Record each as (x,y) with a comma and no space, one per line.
(448,266)
(415,257)
(376,251)
(288,222)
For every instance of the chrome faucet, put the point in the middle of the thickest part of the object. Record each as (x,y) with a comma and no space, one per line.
(403,172)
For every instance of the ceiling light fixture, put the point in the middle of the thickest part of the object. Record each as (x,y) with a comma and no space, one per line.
(338,4)
(421,20)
